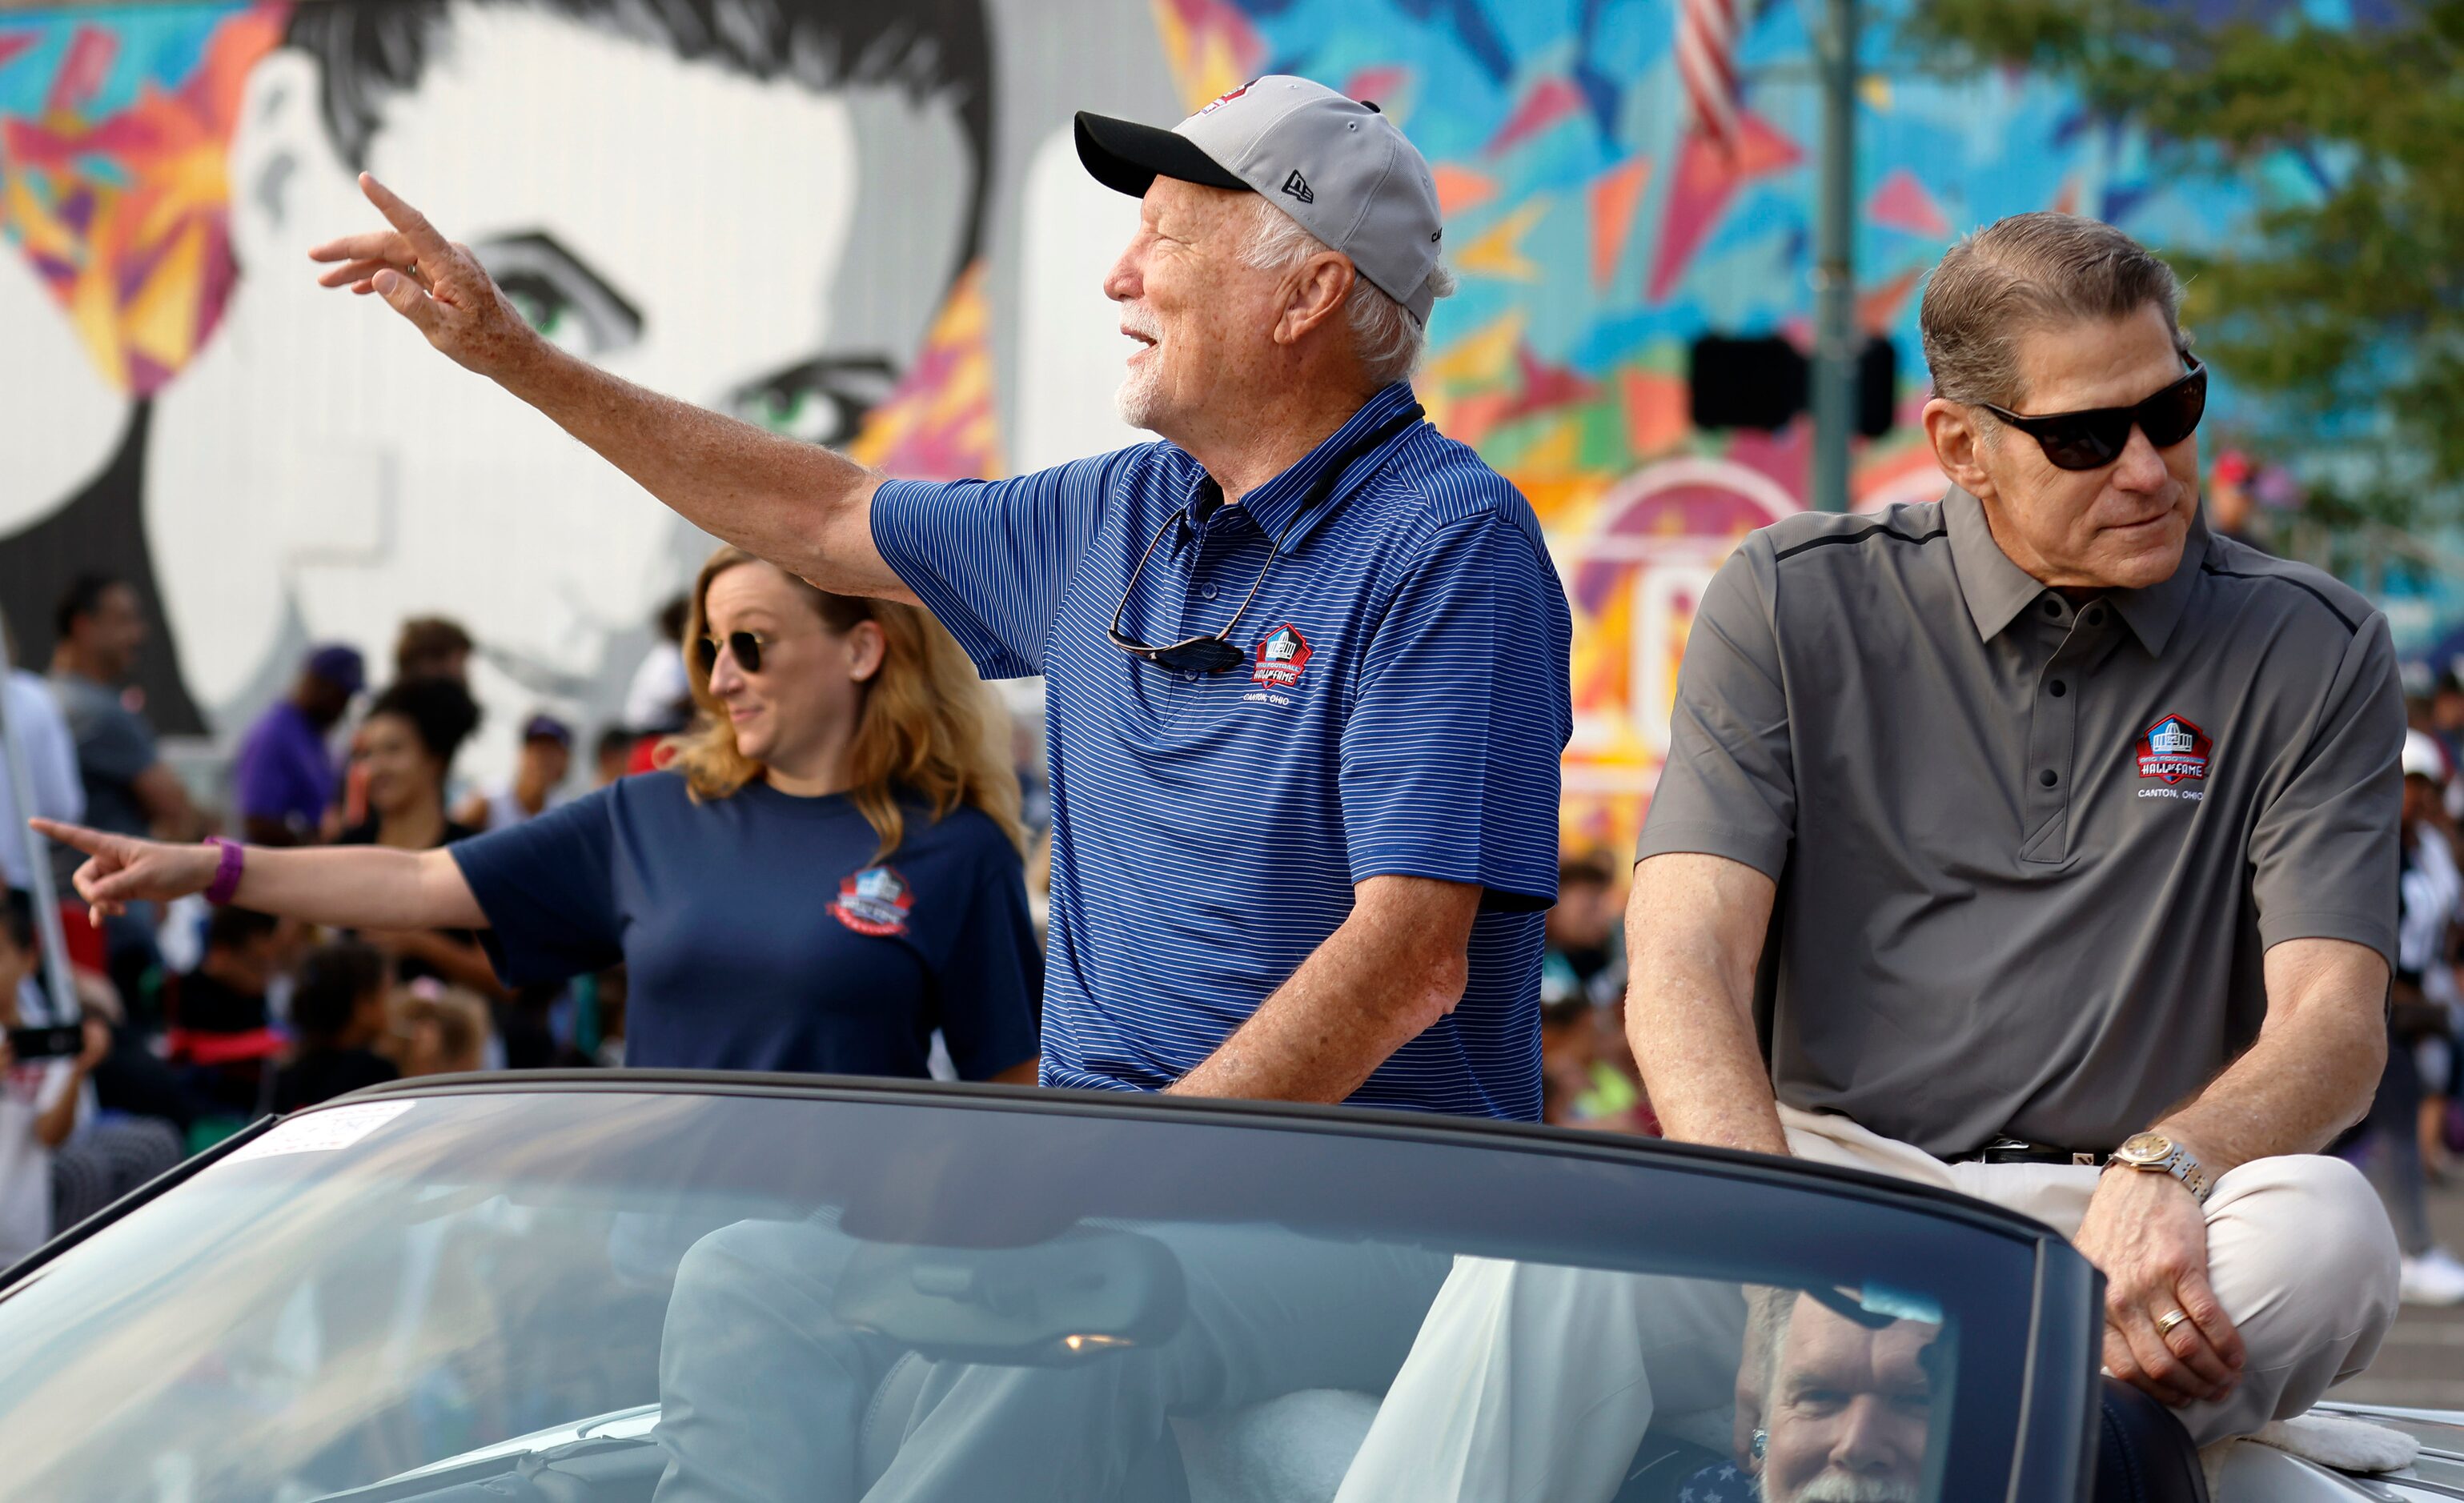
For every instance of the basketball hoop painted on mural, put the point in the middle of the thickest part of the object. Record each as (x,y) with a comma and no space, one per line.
(1657,538)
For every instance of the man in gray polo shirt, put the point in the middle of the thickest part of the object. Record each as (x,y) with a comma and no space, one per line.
(2070,829)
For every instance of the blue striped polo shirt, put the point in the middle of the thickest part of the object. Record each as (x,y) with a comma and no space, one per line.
(1401,712)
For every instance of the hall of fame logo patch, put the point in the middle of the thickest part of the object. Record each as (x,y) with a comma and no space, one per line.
(875,901)
(2175,750)
(1281,657)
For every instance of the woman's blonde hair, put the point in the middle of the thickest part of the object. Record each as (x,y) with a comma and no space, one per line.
(929,728)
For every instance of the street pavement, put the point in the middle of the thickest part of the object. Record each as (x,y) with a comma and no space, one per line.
(2422,1363)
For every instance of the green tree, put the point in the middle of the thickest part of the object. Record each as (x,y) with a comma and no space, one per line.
(2343,310)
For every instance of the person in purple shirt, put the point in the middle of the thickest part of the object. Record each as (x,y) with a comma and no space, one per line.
(284,779)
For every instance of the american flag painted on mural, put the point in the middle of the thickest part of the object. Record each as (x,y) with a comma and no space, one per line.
(1706,64)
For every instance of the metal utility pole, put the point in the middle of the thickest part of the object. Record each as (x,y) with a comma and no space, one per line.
(38,863)
(1835,283)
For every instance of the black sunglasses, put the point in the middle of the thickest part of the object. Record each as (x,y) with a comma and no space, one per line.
(2096,437)
(1215,653)
(743,645)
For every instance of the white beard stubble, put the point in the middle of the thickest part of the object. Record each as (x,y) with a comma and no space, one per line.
(1142,393)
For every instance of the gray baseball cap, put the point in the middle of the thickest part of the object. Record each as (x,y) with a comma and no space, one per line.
(1338,165)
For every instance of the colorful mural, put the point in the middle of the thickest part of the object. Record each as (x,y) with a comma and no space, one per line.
(280,469)
(115,192)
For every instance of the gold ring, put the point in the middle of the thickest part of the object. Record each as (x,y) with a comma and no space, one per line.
(2164,1323)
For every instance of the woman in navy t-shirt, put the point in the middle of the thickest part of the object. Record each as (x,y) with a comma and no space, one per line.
(827,872)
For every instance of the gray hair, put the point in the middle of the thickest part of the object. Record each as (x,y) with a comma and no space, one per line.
(1766,1336)
(1385,336)
(2026,272)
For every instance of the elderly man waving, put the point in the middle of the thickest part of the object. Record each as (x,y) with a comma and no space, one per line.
(1306,646)
(2070,830)
(1307,669)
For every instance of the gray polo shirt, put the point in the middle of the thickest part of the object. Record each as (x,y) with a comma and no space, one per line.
(2029,853)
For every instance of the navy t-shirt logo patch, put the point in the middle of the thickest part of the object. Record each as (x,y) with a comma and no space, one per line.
(1280,658)
(874,900)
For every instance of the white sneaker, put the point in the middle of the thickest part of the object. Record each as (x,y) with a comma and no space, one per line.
(2433,1278)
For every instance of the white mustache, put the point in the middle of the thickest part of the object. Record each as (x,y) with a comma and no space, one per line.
(1140,324)
(1832,1488)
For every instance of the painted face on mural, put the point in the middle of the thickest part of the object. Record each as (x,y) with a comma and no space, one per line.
(762,247)
(60,419)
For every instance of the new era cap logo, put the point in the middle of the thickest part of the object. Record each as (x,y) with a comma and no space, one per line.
(1298,187)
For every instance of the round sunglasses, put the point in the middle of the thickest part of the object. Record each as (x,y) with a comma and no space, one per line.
(744,647)
(2095,437)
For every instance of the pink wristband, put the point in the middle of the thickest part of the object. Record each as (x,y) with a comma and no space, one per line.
(226,883)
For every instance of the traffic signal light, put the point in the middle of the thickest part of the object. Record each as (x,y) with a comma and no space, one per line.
(1878,387)
(1745,383)
(1763,382)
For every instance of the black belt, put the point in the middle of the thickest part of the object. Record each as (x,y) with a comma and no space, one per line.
(2019,1150)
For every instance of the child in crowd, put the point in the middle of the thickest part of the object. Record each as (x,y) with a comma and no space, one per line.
(58,1164)
(337,1009)
(437,1029)
(1587,1075)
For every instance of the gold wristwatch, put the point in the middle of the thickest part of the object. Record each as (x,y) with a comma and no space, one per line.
(2154,1153)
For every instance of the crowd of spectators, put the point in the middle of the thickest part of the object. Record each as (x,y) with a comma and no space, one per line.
(187,1022)
(2415,1127)
(1587,1074)
(200,1017)
(193,1019)
(174,1025)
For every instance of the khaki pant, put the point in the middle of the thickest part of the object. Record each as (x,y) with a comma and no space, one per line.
(1532,1383)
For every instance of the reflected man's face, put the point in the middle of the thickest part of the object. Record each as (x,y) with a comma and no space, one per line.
(1849,1410)
(756,247)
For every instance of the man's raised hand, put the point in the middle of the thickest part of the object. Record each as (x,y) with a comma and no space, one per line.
(122,869)
(436,284)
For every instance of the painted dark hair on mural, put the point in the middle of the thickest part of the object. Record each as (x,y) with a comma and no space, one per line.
(932,48)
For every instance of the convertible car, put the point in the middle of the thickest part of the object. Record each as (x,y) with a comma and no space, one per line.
(616,1286)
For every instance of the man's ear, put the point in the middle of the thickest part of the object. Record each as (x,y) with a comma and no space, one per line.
(1315,294)
(283,168)
(1960,445)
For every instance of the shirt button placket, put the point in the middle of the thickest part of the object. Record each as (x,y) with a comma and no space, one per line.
(1204,564)
(2052,726)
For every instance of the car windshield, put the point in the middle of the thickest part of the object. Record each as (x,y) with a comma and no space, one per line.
(713,1293)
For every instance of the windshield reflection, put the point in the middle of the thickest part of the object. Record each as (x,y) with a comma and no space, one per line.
(1847,1405)
(826,1299)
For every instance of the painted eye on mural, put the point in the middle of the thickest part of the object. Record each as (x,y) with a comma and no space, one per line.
(556,292)
(823,400)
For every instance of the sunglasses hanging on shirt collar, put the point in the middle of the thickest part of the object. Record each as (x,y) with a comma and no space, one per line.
(1215,653)
(2095,437)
